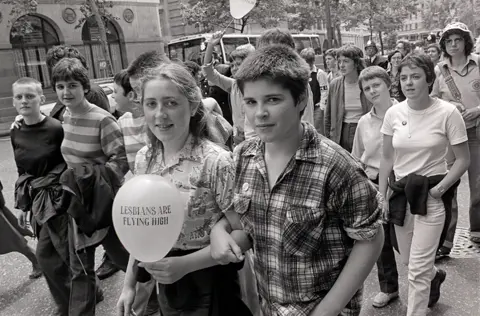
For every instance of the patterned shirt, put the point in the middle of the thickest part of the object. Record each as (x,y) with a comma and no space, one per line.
(204,175)
(305,227)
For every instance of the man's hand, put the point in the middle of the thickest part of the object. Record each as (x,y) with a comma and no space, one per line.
(471,114)
(224,249)
(168,270)
(216,38)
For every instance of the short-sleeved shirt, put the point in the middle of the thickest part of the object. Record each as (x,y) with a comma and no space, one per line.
(467,82)
(305,227)
(203,173)
(431,131)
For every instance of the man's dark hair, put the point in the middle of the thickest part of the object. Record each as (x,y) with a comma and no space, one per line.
(123,80)
(422,61)
(192,67)
(354,53)
(279,64)
(145,61)
(276,36)
(70,69)
(57,53)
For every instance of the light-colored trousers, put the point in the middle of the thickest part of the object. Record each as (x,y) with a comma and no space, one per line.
(418,240)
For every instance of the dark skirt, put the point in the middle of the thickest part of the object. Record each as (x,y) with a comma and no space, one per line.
(213,291)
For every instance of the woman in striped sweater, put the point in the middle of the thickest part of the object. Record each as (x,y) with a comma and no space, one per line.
(92,137)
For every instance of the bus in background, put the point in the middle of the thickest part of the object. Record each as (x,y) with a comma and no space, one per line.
(193,47)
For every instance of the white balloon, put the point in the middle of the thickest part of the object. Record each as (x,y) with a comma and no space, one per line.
(148,216)
(240,8)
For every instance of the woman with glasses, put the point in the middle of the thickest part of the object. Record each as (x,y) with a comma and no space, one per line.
(395,58)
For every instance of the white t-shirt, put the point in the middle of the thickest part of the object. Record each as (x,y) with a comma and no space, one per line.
(353,104)
(430,131)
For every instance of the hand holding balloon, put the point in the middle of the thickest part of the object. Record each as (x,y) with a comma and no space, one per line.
(168,270)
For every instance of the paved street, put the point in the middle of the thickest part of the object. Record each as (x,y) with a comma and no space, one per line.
(20,296)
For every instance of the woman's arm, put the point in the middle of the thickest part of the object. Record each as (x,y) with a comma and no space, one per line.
(386,164)
(328,112)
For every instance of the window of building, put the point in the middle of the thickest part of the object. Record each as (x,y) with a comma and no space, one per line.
(31,36)
(93,49)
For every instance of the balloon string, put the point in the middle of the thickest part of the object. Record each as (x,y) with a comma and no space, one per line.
(228,26)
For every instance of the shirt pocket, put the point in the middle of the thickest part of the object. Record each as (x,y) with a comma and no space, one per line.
(303,230)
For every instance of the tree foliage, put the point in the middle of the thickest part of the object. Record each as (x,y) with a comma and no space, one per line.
(215,14)
(90,8)
(439,13)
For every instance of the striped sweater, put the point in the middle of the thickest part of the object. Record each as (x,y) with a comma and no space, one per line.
(93,137)
(134,136)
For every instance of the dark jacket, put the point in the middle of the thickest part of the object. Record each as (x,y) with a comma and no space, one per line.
(95,95)
(378,61)
(88,194)
(413,189)
(41,195)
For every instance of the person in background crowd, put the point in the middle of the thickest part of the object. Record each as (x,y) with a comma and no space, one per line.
(373,58)
(332,66)
(419,47)
(36,147)
(210,103)
(93,147)
(228,84)
(458,82)
(94,95)
(435,52)
(346,104)
(395,58)
(328,234)
(189,281)
(374,81)
(319,86)
(404,46)
(13,237)
(220,95)
(416,136)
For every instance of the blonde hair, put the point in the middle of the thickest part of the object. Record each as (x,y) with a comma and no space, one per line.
(29,81)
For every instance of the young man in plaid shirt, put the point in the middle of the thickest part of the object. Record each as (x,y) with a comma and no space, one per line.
(310,211)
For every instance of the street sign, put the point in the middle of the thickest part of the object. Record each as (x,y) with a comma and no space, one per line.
(102,64)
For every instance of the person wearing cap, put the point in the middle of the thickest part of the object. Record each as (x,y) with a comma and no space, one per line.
(373,58)
(462,66)
(431,38)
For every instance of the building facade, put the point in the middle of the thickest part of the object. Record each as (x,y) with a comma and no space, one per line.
(24,41)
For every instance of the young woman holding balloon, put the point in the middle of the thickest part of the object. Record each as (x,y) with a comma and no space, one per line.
(180,151)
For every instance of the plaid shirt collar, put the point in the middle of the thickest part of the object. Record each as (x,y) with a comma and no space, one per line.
(307,151)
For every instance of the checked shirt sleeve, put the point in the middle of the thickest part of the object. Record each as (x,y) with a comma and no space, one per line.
(354,199)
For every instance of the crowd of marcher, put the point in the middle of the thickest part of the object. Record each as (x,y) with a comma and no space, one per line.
(295,181)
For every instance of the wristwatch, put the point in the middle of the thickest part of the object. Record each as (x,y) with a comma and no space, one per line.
(440,189)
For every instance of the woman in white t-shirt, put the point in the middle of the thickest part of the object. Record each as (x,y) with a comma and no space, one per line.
(417,133)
